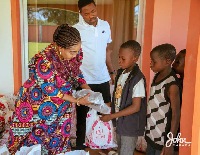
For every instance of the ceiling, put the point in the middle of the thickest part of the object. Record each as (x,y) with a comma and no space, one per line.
(65,1)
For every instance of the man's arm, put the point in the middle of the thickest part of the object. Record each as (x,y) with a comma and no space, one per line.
(135,107)
(174,96)
(109,63)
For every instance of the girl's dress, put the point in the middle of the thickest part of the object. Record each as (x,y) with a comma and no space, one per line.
(41,116)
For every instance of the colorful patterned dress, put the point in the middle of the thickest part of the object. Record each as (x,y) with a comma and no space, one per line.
(41,116)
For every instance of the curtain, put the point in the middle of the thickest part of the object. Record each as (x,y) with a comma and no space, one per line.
(123,26)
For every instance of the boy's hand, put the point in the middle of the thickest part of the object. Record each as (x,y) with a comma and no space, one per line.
(112,76)
(108,104)
(106,117)
(167,150)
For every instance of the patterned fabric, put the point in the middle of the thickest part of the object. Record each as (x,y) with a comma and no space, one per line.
(41,116)
(159,112)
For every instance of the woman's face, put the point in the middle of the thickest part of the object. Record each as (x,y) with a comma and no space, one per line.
(71,52)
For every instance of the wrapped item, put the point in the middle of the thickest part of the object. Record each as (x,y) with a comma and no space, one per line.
(3,111)
(102,108)
(4,139)
(33,150)
(8,119)
(141,144)
(96,98)
(3,106)
(6,110)
(76,152)
(99,135)
(4,150)
(10,99)
(2,125)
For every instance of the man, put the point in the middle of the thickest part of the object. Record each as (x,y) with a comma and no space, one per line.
(96,67)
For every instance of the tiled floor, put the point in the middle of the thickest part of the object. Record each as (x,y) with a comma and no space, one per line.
(96,152)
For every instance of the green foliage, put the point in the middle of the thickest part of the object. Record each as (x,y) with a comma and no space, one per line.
(51,16)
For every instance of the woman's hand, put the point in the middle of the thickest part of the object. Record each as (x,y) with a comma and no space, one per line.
(84,100)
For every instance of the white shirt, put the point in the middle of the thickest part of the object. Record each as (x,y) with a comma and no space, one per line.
(138,89)
(94,43)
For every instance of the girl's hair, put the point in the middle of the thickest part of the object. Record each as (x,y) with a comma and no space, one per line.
(166,51)
(66,36)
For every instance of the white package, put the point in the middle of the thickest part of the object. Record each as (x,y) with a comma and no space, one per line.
(4,150)
(33,150)
(96,98)
(76,152)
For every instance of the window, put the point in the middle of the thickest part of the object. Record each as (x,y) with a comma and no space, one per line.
(42,22)
(40,18)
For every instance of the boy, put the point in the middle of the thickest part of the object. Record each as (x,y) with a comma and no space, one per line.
(129,99)
(163,108)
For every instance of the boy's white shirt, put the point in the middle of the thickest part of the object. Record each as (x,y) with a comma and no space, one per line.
(138,89)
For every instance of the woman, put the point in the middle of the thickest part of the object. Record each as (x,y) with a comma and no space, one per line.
(43,107)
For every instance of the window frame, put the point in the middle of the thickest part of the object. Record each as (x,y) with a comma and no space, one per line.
(24,39)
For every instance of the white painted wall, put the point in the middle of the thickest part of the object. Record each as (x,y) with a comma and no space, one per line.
(6,49)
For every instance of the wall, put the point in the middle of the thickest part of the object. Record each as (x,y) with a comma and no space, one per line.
(178,22)
(46,34)
(179,31)
(33,32)
(196,123)
(162,22)
(190,124)
(170,24)
(6,51)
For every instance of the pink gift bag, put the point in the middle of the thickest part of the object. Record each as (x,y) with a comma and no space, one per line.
(99,135)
